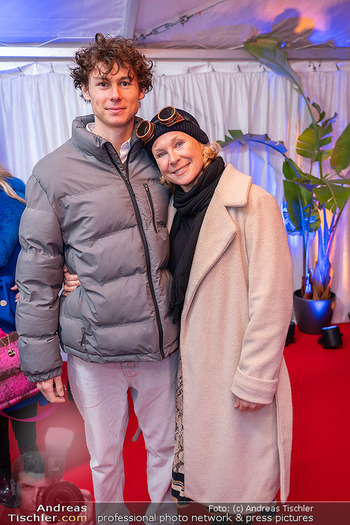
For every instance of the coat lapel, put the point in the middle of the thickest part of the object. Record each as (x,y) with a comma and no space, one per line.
(218,229)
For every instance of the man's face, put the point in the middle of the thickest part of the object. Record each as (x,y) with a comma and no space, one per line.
(114,99)
(27,489)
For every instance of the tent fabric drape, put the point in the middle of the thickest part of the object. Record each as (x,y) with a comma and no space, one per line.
(36,111)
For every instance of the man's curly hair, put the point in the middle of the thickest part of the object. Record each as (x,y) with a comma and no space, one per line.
(107,51)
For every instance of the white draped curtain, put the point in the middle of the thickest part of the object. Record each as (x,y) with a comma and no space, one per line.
(38,104)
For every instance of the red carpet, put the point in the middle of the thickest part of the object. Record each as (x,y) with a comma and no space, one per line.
(320,459)
(320,381)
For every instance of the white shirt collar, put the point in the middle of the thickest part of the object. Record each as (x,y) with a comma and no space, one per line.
(124,148)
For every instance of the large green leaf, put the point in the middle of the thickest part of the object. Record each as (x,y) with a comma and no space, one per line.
(321,113)
(340,159)
(291,170)
(307,142)
(332,195)
(314,156)
(298,201)
(266,50)
(235,133)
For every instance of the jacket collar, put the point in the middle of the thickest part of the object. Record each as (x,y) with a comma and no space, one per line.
(218,228)
(94,145)
(233,188)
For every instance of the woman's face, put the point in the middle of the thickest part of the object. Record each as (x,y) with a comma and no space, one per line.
(179,157)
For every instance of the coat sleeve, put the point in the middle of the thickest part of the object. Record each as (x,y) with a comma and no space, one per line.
(39,277)
(11,211)
(269,300)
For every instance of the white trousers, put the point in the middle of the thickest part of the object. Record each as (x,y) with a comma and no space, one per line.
(100,393)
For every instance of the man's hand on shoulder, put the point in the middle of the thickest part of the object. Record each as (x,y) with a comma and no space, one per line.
(52,389)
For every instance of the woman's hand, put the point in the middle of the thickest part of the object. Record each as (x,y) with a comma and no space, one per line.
(71,281)
(14,288)
(247,406)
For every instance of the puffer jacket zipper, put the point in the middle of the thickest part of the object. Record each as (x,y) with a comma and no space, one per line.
(150,201)
(125,178)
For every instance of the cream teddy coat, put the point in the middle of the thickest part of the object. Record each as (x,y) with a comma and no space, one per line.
(235,319)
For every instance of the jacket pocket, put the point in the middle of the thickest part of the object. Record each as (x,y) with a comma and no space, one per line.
(150,202)
(83,339)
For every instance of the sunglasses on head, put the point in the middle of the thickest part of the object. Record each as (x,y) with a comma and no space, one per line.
(167,116)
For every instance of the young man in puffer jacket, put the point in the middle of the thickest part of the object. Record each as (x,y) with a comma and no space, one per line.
(96,205)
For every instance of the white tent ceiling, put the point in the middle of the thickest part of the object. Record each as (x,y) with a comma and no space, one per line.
(198,27)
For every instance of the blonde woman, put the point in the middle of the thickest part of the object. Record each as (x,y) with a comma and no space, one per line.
(228,249)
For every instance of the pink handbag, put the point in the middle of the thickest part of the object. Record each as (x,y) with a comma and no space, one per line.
(14,386)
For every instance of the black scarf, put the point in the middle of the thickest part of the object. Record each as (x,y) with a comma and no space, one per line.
(191,207)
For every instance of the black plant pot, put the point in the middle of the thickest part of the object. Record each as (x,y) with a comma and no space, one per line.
(311,316)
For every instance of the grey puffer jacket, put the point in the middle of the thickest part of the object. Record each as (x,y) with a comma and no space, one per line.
(107,222)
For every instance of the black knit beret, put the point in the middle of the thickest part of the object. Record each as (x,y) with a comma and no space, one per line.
(189,126)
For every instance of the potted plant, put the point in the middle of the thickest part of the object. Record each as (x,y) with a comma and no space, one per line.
(316,197)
